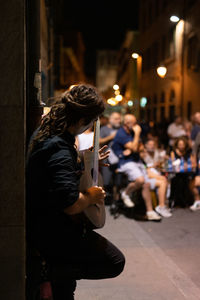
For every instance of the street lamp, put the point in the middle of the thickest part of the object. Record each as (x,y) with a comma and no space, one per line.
(119,98)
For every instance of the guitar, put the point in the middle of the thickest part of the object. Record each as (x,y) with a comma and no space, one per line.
(91,177)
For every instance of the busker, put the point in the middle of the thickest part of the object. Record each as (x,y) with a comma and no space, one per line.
(54,202)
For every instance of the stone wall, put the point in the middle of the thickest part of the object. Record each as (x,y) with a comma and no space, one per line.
(12,150)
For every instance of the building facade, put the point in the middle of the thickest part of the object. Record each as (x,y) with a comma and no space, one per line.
(175,46)
(128,74)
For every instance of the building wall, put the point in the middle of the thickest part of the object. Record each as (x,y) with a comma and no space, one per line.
(127,75)
(163,42)
(12,150)
(106,70)
(69,60)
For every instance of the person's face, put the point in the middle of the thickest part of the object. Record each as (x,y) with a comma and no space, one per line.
(197,118)
(115,120)
(181,145)
(129,122)
(150,146)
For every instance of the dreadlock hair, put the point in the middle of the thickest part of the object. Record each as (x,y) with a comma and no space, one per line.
(81,102)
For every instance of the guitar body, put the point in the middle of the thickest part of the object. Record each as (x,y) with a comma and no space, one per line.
(94,213)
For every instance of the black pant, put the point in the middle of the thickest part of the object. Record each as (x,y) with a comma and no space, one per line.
(93,258)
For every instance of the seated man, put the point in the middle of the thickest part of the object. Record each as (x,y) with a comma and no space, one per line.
(107,134)
(125,146)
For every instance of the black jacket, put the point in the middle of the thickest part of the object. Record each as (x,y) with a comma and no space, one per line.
(53,175)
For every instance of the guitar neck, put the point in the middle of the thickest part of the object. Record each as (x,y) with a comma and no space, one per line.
(96,152)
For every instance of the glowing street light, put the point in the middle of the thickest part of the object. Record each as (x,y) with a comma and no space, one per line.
(135,55)
(115,87)
(119,97)
(162,70)
(174,19)
(111,101)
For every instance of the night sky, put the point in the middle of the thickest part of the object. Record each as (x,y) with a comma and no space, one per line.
(103,24)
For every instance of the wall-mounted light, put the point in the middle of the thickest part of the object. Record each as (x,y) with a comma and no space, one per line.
(135,55)
(174,19)
(161,71)
(115,87)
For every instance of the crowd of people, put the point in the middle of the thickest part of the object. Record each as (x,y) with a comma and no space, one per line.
(152,162)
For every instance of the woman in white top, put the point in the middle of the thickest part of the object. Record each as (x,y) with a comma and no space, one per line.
(85,140)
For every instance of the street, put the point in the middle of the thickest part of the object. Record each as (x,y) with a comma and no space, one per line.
(162,259)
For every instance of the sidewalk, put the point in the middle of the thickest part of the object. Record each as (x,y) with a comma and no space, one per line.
(149,274)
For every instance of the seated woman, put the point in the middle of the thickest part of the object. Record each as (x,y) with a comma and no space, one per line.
(156,181)
(154,157)
(182,149)
(181,191)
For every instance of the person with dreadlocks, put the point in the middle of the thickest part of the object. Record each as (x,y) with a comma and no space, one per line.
(53,196)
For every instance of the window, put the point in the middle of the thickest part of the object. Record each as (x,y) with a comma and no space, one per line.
(155,114)
(162,113)
(148,100)
(155,100)
(193,55)
(148,114)
(162,97)
(172,96)
(171,113)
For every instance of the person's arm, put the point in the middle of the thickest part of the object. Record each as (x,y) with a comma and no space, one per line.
(107,139)
(94,195)
(133,145)
(152,174)
(172,155)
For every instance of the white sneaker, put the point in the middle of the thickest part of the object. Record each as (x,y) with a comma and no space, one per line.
(127,200)
(195,206)
(153,216)
(163,211)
